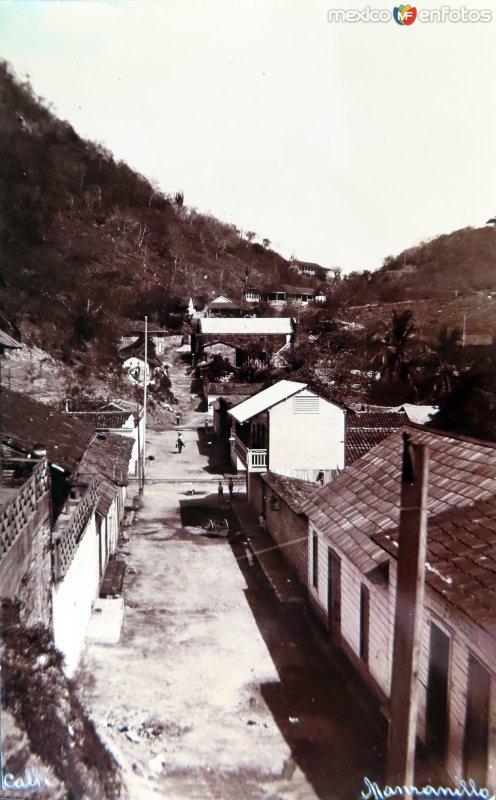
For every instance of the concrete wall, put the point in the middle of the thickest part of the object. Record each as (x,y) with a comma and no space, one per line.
(290,531)
(305,441)
(256,491)
(74,595)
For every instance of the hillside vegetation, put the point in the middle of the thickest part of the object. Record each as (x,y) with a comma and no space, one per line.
(86,242)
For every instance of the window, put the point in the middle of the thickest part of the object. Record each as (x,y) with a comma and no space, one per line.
(364,622)
(315,561)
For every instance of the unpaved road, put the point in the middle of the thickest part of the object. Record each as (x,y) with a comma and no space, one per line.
(178,698)
(215,690)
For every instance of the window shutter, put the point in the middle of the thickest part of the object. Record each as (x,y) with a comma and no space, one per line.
(306,404)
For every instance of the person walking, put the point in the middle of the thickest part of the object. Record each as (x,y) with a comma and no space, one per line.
(179,443)
(230,486)
(220,492)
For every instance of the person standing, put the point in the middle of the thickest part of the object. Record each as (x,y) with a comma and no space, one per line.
(178,417)
(262,522)
(220,492)
(179,442)
(230,486)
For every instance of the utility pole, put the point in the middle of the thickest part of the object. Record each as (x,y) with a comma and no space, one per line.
(408,616)
(464,330)
(145,389)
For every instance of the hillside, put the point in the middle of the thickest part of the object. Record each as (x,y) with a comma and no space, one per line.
(87,242)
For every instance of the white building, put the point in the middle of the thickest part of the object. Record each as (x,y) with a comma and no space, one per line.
(288,429)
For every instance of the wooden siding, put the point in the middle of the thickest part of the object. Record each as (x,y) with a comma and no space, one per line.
(465,639)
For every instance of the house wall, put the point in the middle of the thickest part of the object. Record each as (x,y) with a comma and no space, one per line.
(109,532)
(73,597)
(465,637)
(305,441)
(256,490)
(26,558)
(290,531)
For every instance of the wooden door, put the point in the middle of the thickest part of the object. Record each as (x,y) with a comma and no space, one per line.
(476,739)
(437,723)
(334,593)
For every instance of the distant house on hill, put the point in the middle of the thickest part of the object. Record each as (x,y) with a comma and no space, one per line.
(310,269)
(252,296)
(224,307)
(286,293)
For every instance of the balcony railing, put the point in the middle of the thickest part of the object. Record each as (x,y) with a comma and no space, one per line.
(254,460)
(257,461)
(20,510)
(67,540)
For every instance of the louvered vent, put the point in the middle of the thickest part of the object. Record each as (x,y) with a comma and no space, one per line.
(306,404)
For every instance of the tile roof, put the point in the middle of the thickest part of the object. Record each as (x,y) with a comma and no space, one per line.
(102,419)
(26,422)
(461,559)
(364,501)
(266,399)
(250,326)
(226,389)
(8,341)
(292,490)
(365,430)
(108,454)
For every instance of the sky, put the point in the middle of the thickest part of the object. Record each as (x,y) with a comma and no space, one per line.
(340,142)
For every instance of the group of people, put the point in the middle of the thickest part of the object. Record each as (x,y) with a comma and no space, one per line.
(220,490)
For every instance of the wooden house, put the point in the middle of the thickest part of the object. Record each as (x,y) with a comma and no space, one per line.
(288,429)
(352,568)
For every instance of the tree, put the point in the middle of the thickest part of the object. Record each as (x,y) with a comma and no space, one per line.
(394,349)
(470,407)
(179,199)
(266,243)
(250,235)
(443,362)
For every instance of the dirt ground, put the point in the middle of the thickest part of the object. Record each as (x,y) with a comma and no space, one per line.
(215,689)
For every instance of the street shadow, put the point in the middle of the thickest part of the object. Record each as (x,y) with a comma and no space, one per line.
(216,452)
(197,511)
(331,723)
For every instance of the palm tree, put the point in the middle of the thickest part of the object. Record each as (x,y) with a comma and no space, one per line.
(443,361)
(395,349)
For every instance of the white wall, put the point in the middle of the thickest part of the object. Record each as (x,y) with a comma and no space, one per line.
(312,441)
(73,597)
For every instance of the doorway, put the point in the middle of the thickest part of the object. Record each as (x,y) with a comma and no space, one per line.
(437,722)
(476,740)
(334,593)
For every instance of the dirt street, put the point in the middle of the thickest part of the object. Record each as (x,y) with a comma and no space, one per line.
(215,689)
